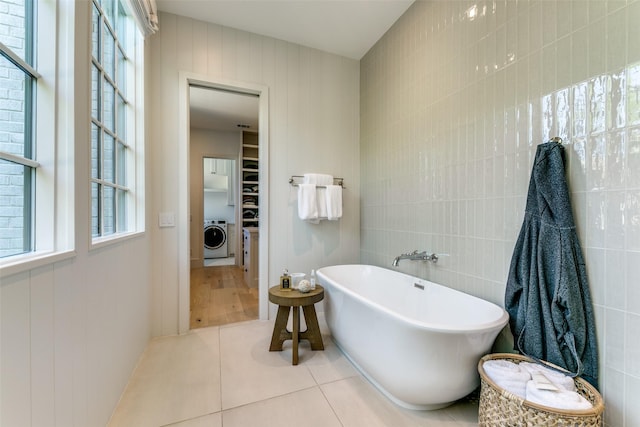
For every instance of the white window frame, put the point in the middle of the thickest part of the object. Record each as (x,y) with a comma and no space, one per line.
(134,138)
(52,213)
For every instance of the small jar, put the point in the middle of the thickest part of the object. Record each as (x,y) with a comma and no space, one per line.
(285,280)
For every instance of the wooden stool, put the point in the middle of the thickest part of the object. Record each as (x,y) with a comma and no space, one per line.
(286,299)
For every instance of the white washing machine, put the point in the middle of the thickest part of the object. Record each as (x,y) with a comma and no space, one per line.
(215,238)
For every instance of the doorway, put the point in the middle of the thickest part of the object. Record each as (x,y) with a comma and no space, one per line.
(236,300)
(219,293)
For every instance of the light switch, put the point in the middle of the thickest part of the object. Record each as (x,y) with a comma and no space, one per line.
(166,219)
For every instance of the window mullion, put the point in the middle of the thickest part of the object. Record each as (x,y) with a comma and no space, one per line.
(18,62)
(101,209)
(110,184)
(29,113)
(30,33)
(100,161)
(28,242)
(19,159)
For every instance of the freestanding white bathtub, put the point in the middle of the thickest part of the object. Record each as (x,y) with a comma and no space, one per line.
(417,341)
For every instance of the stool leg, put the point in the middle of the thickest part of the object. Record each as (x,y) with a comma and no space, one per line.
(296,333)
(313,330)
(280,333)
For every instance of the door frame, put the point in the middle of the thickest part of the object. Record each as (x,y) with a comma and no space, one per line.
(184,259)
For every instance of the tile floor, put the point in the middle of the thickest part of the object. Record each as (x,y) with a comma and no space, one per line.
(225,376)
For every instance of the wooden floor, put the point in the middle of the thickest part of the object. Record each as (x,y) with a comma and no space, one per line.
(219,296)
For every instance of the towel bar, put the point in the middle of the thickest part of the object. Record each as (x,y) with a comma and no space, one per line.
(336,181)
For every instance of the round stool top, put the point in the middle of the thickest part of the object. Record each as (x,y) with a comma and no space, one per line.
(295,298)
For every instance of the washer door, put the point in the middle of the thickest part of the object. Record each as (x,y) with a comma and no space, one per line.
(214,237)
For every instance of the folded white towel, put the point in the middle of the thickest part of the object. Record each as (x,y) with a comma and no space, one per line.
(334,202)
(508,375)
(321,198)
(307,205)
(561,399)
(321,181)
(515,387)
(318,179)
(560,380)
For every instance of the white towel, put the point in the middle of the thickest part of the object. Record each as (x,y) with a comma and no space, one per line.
(307,205)
(334,202)
(320,180)
(561,399)
(560,380)
(321,197)
(508,375)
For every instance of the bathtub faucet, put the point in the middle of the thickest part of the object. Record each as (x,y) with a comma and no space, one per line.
(416,256)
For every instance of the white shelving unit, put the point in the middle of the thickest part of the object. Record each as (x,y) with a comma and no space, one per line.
(249,201)
(249,179)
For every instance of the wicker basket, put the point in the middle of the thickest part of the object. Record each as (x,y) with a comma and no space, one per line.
(499,407)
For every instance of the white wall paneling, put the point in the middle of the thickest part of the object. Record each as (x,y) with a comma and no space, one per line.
(312,126)
(72,330)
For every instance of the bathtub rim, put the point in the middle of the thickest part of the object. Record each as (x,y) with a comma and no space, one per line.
(499,323)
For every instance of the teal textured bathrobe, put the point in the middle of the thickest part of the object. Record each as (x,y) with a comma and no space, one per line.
(547,294)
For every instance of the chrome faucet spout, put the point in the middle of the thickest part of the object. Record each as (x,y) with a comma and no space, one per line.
(415,256)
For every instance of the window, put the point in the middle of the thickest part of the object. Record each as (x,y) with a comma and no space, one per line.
(18,86)
(115,82)
(39,128)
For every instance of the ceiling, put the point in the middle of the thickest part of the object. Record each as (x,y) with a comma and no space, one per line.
(222,110)
(344,27)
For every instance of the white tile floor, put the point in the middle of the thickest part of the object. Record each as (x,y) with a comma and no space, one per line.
(225,376)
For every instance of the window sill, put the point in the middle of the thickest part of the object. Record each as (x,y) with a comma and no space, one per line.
(101,242)
(21,263)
